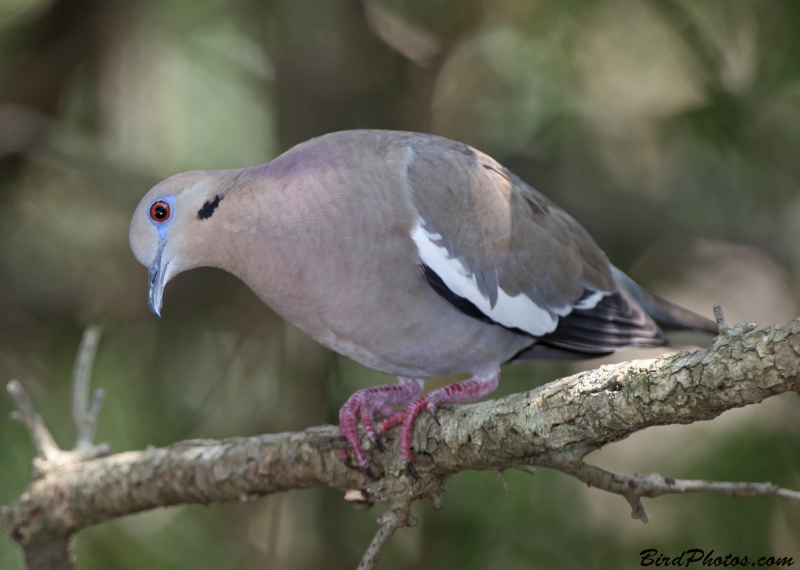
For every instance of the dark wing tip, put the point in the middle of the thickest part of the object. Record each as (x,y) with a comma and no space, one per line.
(667,314)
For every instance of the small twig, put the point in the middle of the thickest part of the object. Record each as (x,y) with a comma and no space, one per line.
(724,329)
(723,326)
(84,413)
(356,496)
(502,477)
(654,485)
(398,516)
(526,469)
(46,446)
(359,498)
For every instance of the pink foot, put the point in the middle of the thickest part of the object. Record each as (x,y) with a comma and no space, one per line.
(362,406)
(466,391)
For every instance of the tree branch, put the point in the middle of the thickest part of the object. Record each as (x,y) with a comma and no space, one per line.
(654,485)
(555,425)
(398,516)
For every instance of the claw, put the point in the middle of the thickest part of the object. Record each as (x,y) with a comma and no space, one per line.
(367,468)
(378,441)
(410,471)
(432,412)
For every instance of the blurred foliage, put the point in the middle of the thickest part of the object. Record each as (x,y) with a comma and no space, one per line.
(669,128)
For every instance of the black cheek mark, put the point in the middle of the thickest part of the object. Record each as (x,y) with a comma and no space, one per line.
(208,208)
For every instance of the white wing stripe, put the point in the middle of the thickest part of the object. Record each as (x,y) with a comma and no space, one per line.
(515,312)
(591,301)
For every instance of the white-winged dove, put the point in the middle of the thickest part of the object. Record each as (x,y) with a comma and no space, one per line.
(409,253)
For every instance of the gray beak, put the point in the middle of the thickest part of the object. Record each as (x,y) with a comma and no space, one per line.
(157,273)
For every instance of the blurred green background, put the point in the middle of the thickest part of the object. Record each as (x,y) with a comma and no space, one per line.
(669,128)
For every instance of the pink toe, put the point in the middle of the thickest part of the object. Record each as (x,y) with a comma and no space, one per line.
(362,406)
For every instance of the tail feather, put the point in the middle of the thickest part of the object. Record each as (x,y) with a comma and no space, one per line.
(629,317)
(667,315)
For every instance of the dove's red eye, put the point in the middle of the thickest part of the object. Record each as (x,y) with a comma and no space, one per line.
(160,212)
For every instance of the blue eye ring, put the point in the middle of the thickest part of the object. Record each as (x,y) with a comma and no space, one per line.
(160,211)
